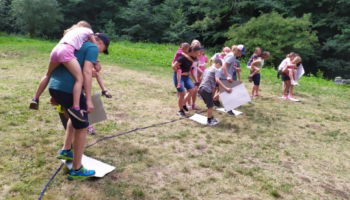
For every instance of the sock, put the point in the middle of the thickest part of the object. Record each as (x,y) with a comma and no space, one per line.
(36,99)
(78,169)
(209,120)
(76,108)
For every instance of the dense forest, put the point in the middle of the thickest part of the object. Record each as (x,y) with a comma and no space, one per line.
(318,30)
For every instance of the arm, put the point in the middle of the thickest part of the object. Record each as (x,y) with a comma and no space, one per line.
(97,66)
(175,66)
(187,56)
(224,68)
(229,90)
(87,73)
(92,39)
(210,62)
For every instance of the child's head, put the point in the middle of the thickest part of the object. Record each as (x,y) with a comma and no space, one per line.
(185,47)
(195,43)
(194,51)
(83,24)
(226,50)
(238,50)
(217,63)
(296,60)
(292,55)
(257,51)
(202,50)
(265,55)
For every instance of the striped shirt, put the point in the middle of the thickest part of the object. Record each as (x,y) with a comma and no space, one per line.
(208,79)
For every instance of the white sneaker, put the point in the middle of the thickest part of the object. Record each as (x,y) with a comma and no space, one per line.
(296,83)
(293,82)
(213,122)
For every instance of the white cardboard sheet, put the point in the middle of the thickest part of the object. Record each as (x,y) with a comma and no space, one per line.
(98,114)
(239,95)
(236,112)
(300,71)
(200,119)
(101,169)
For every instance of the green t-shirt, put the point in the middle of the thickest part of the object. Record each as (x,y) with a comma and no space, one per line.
(61,79)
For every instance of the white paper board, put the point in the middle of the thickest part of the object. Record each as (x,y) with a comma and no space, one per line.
(239,95)
(101,169)
(200,119)
(236,112)
(300,72)
(98,113)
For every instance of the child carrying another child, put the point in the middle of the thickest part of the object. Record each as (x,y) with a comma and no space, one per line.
(291,71)
(255,55)
(183,50)
(63,53)
(255,68)
(211,77)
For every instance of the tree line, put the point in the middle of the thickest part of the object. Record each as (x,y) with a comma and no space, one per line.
(318,30)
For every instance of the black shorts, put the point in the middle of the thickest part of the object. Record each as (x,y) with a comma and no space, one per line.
(285,77)
(207,97)
(66,100)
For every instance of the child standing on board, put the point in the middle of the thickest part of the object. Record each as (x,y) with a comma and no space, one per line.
(255,68)
(183,50)
(63,53)
(210,78)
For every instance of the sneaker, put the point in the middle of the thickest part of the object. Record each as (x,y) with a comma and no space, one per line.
(34,104)
(258,95)
(65,155)
(215,119)
(296,83)
(217,103)
(290,96)
(293,82)
(80,174)
(185,108)
(284,97)
(194,106)
(213,122)
(252,96)
(181,113)
(77,114)
(230,112)
(91,130)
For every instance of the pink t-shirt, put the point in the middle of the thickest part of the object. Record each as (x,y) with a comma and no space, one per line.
(177,54)
(203,60)
(77,37)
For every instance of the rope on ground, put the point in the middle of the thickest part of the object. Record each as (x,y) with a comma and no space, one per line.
(109,137)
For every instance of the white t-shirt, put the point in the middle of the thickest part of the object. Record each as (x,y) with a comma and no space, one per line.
(77,37)
(284,64)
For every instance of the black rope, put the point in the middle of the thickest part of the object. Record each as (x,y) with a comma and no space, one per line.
(108,137)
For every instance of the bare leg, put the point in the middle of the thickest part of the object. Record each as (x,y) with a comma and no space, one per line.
(291,91)
(189,95)
(74,68)
(287,84)
(210,112)
(45,80)
(257,90)
(79,146)
(291,76)
(181,100)
(194,95)
(100,81)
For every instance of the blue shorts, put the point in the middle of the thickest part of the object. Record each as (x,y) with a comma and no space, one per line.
(185,83)
(256,78)
(66,100)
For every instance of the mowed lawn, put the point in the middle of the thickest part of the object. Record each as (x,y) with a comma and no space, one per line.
(275,149)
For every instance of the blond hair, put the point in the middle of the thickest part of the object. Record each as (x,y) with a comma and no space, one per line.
(195,43)
(235,49)
(79,24)
(297,59)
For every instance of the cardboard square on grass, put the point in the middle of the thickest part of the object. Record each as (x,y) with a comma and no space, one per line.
(239,95)
(98,113)
(200,119)
(236,112)
(101,169)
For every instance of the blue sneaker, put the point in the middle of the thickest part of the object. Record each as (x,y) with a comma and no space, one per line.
(80,174)
(65,155)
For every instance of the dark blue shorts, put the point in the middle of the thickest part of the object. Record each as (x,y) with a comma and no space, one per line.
(256,78)
(185,83)
(66,101)
(285,77)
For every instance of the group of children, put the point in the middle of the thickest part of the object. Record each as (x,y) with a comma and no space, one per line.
(225,66)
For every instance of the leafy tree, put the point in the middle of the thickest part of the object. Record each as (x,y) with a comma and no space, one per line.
(36,16)
(277,35)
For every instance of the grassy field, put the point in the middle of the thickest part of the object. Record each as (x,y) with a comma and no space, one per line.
(276,149)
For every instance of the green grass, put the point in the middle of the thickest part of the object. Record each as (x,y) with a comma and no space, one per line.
(276,150)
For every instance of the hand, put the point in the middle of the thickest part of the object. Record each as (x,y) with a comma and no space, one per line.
(90,106)
(228,90)
(230,80)
(94,73)
(53,102)
(97,66)
(185,73)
